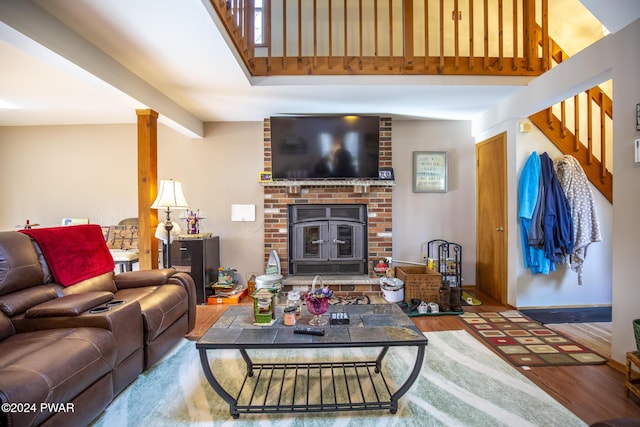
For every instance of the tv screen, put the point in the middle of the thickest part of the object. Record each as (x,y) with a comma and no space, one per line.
(321,147)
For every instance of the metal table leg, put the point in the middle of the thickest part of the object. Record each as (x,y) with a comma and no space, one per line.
(233,403)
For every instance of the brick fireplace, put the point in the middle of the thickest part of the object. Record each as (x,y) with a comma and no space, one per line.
(375,194)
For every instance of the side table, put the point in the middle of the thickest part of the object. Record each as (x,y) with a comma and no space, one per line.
(200,257)
(632,381)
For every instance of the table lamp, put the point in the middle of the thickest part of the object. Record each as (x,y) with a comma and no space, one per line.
(169,196)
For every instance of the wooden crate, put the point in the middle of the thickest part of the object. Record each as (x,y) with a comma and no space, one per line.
(420,283)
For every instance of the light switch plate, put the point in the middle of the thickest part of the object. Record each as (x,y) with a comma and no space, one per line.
(637,150)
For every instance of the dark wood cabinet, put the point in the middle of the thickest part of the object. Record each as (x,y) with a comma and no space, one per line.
(201,258)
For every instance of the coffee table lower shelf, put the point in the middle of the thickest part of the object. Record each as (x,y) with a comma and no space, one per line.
(310,387)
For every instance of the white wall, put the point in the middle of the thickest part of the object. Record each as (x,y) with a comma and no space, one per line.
(217,171)
(420,217)
(626,190)
(52,172)
(617,57)
(561,286)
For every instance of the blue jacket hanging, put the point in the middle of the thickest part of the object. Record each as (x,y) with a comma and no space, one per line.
(557,224)
(529,195)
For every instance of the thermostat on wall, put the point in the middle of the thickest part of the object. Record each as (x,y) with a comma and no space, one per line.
(243,212)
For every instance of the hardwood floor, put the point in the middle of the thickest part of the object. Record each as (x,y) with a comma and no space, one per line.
(596,336)
(593,393)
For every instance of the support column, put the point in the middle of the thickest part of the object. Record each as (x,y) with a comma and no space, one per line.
(147,187)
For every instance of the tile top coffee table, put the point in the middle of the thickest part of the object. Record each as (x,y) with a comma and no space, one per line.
(310,386)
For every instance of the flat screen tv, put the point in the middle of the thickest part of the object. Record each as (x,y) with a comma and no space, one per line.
(325,147)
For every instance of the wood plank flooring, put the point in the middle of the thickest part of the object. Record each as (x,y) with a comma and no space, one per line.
(593,393)
(596,336)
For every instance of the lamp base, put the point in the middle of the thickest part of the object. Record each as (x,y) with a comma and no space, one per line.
(168,225)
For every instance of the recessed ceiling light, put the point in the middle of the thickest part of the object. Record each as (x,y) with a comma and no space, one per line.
(6,105)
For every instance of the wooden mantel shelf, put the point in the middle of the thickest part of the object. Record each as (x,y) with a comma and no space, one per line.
(328,182)
(359,185)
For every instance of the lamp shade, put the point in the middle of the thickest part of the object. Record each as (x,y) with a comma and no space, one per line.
(170,196)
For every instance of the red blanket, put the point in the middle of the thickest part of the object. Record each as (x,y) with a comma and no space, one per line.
(73,253)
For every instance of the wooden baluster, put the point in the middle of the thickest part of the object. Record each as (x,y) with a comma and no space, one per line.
(563,119)
(299,33)
(546,43)
(603,139)
(589,128)
(456,35)
(390,34)
(245,27)
(426,35)
(500,36)
(315,34)
(441,66)
(361,36)
(408,34)
(576,120)
(471,55)
(250,31)
(330,34)
(486,35)
(530,33)
(238,17)
(514,21)
(266,32)
(375,34)
(284,34)
(344,58)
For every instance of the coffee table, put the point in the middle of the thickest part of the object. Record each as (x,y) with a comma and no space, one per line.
(313,386)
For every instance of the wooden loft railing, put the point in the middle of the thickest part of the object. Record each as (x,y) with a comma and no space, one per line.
(401,37)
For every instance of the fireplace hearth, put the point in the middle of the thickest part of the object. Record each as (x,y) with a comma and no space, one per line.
(328,239)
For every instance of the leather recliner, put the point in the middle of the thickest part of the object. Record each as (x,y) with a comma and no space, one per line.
(57,349)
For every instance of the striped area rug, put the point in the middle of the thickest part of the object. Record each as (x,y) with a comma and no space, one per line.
(462,383)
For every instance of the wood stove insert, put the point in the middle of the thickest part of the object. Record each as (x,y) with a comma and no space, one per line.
(328,239)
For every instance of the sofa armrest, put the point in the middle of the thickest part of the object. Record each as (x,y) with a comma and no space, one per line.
(69,305)
(137,279)
(185,280)
(122,320)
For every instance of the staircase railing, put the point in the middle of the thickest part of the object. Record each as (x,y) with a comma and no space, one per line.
(566,123)
(369,37)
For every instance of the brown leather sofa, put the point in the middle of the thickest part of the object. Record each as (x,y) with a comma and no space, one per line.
(67,351)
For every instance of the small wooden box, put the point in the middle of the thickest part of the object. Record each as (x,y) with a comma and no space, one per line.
(420,283)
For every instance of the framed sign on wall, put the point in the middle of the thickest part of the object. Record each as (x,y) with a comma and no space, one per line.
(429,171)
